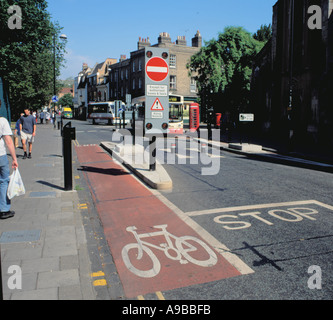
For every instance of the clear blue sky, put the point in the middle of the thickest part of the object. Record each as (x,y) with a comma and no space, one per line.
(100,29)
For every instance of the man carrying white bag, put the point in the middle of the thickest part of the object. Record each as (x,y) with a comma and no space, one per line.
(6,139)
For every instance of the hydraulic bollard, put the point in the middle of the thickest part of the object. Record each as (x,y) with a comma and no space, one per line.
(67,138)
(152,154)
(133,126)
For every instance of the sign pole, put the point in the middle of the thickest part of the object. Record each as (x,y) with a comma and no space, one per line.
(157,82)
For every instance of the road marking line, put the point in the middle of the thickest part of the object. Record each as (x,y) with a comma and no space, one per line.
(233,259)
(249,207)
(160,295)
(82,206)
(98,274)
(327,206)
(141,298)
(100,283)
(223,250)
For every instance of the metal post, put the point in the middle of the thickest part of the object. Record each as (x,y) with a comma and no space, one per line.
(133,123)
(124,115)
(67,148)
(152,154)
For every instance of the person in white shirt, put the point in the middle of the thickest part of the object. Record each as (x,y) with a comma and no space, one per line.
(6,140)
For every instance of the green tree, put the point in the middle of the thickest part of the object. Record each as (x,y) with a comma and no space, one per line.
(66,100)
(224,68)
(27,54)
(264,33)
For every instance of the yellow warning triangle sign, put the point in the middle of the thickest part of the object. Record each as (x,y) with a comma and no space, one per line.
(157,106)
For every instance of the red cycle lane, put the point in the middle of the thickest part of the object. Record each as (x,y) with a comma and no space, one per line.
(153,249)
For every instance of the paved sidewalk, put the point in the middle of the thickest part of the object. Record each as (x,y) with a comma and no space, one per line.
(46,238)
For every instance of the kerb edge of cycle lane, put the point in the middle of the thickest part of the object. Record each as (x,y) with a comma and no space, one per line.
(153,249)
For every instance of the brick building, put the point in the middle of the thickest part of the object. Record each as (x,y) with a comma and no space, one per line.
(292,81)
(97,81)
(128,75)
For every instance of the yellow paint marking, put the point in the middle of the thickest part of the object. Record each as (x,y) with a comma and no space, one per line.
(82,206)
(100,283)
(98,274)
(77,177)
(160,295)
(141,298)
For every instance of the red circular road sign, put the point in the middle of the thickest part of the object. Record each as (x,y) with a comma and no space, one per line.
(157,69)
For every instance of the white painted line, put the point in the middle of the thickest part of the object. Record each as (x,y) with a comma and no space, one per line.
(250,207)
(157,69)
(327,206)
(223,250)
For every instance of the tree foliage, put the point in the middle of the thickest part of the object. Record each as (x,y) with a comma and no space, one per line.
(66,100)
(264,33)
(27,54)
(224,68)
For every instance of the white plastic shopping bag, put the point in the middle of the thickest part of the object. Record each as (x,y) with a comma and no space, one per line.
(16,186)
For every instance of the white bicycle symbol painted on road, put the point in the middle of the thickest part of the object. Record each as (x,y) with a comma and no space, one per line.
(178,252)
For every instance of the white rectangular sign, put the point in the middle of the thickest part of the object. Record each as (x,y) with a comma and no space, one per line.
(157,90)
(246,117)
(157,115)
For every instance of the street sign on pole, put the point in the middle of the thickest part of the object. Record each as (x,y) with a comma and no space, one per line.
(157,91)
(246,117)
(55,99)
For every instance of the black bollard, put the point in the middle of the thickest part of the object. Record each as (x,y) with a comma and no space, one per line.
(68,136)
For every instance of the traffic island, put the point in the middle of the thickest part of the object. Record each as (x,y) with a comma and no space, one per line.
(246,147)
(133,158)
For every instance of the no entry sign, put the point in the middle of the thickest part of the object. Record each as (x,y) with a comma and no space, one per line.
(157,69)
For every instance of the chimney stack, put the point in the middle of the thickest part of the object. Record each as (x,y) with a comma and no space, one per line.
(181,40)
(197,40)
(142,43)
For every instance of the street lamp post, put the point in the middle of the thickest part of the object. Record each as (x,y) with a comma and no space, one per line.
(62,37)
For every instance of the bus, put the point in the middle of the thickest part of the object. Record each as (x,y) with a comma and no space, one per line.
(67,113)
(176,114)
(103,112)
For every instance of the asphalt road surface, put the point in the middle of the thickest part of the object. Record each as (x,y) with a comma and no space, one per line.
(276,219)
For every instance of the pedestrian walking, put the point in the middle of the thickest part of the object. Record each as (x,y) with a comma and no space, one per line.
(28,132)
(6,139)
(17,132)
(41,115)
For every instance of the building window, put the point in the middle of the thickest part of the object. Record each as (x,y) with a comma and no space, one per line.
(126,74)
(140,83)
(173,61)
(133,65)
(140,65)
(173,82)
(193,85)
(133,84)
